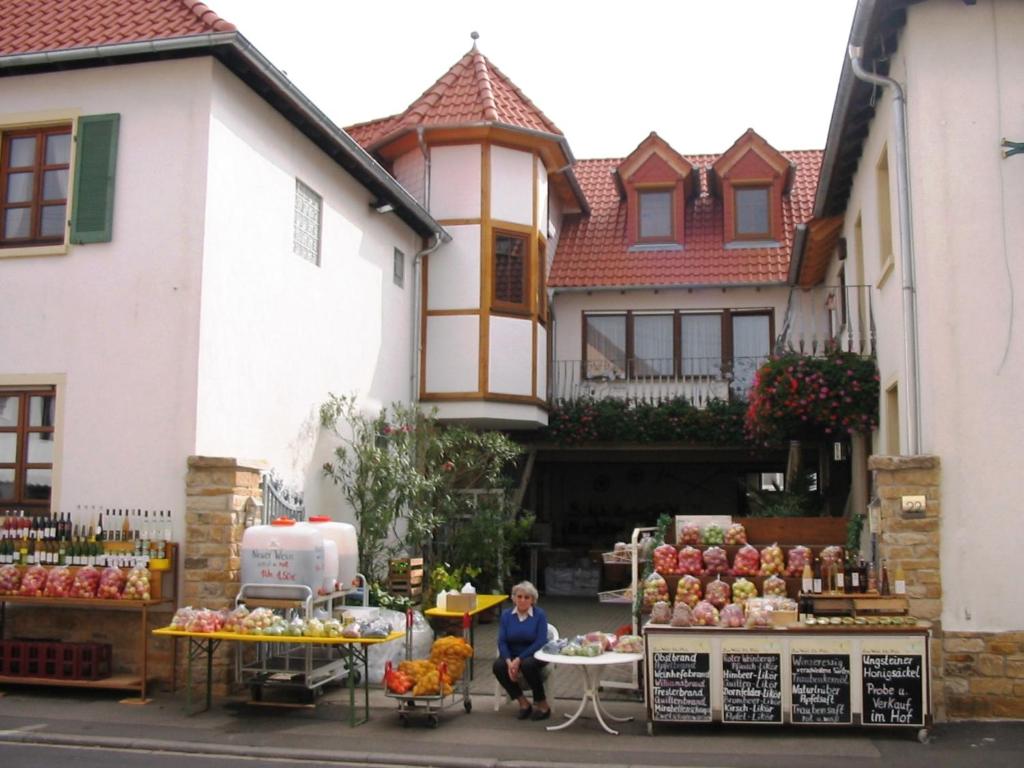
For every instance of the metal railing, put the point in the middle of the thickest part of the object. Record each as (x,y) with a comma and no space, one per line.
(699,380)
(829,317)
(280,501)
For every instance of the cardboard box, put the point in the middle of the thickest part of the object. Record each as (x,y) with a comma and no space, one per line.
(460,603)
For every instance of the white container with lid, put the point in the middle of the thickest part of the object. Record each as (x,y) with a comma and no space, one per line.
(344,536)
(283,554)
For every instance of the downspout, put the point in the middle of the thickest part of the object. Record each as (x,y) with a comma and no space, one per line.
(417,340)
(910,337)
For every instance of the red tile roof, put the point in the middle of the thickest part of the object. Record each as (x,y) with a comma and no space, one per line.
(593,251)
(473,91)
(30,26)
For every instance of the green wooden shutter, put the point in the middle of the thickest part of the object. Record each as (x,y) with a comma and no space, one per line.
(92,206)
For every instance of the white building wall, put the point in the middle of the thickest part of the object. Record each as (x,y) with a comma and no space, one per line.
(510,363)
(966,70)
(117,322)
(512,193)
(453,354)
(960,67)
(455,174)
(454,271)
(279,333)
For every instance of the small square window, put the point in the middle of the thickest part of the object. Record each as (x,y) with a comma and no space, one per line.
(308,214)
(752,220)
(655,215)
(399,269)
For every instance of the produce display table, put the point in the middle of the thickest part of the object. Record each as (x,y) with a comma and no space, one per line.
(114,682)
(483,603)
(206,643)
(872,676)
(589,666)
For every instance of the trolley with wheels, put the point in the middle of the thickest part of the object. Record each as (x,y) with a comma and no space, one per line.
(430,705)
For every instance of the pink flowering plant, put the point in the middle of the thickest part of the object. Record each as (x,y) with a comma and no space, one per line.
(796,397)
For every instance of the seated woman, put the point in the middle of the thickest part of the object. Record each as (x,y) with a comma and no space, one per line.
(522,631)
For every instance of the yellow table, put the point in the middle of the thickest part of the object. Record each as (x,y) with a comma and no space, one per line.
(483,603)
(207,643)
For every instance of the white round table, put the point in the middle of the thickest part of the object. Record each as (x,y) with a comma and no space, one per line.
(588,665)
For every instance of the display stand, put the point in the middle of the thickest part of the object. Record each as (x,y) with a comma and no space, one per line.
(205,645)
(630,597)
(801,675)
(483,603)
(123,682)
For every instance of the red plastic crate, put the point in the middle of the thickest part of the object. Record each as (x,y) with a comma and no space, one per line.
(56,661)
(91,661)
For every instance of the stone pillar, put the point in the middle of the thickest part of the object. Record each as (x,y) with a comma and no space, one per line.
(216,492)
(911,541)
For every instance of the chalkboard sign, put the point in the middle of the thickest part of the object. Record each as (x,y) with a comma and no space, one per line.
(893,689)
(821,687)
(751,688)
(681,686)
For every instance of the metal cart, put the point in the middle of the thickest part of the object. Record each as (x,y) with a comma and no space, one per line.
(431,705)
(304,668)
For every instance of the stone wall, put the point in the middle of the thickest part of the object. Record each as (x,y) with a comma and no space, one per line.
(974,674)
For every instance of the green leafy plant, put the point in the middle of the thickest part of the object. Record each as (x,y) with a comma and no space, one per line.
(591,420)
(795,397)
(796,501)
(413,485)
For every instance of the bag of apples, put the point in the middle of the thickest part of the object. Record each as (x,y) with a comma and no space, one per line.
(688,591)
(655,589)
(747,561)
(690,561)
(682,616)
(716,562)
(10,579)
(772,561)
(112,581)
(58,583)
(799,556)
(86,582)
(666,560)
(33,582)
(689,534)
(732,616)
(718,593)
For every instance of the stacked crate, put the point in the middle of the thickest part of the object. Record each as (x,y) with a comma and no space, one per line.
(405,578)
(54,660)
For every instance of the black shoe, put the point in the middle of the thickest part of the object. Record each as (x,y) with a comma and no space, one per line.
(541,714)
(525,712)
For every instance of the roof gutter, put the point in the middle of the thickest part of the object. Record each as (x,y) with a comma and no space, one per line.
(414,214)
(910,335)
(796,261)
(862,18)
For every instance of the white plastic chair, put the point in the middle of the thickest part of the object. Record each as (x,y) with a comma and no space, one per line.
(547,673)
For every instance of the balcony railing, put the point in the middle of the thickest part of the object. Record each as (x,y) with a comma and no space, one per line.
(829,317)
(699,380)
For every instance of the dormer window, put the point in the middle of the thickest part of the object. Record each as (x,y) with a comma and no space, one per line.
(753,221)
(655,208)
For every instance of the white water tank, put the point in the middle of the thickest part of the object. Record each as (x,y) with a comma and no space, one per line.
(344,536)
(283,554)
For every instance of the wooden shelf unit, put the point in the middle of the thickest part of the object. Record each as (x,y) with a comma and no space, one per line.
(142,607)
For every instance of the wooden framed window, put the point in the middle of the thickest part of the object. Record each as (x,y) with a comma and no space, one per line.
(308,217)
(511,272)
(542,282)
(34,167)
(604,346)
(654,209)
(26,447)
(751,213)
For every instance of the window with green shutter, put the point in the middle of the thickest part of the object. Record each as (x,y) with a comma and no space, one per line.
(92,206)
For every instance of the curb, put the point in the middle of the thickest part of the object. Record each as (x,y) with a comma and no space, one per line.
(306,755)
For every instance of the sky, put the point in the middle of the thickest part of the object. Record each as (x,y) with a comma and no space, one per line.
(698,72)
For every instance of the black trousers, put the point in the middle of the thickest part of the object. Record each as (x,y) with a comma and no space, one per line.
(529,670)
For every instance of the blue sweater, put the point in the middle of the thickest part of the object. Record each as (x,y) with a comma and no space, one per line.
(522,638)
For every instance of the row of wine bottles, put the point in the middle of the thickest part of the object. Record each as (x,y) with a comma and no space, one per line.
(119,525)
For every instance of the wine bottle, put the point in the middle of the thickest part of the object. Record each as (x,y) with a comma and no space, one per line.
(899,581)
(816,578)
(807,580)
(884,586)
(99,526)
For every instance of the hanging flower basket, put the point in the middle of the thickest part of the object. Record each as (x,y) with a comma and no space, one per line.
(798,397)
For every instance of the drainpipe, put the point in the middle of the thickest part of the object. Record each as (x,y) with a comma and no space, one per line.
(417,340)
(910,348)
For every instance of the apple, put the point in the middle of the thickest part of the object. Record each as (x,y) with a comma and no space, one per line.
(718,593)
(742,589)
(799,556)
(666,559)
(705,614)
